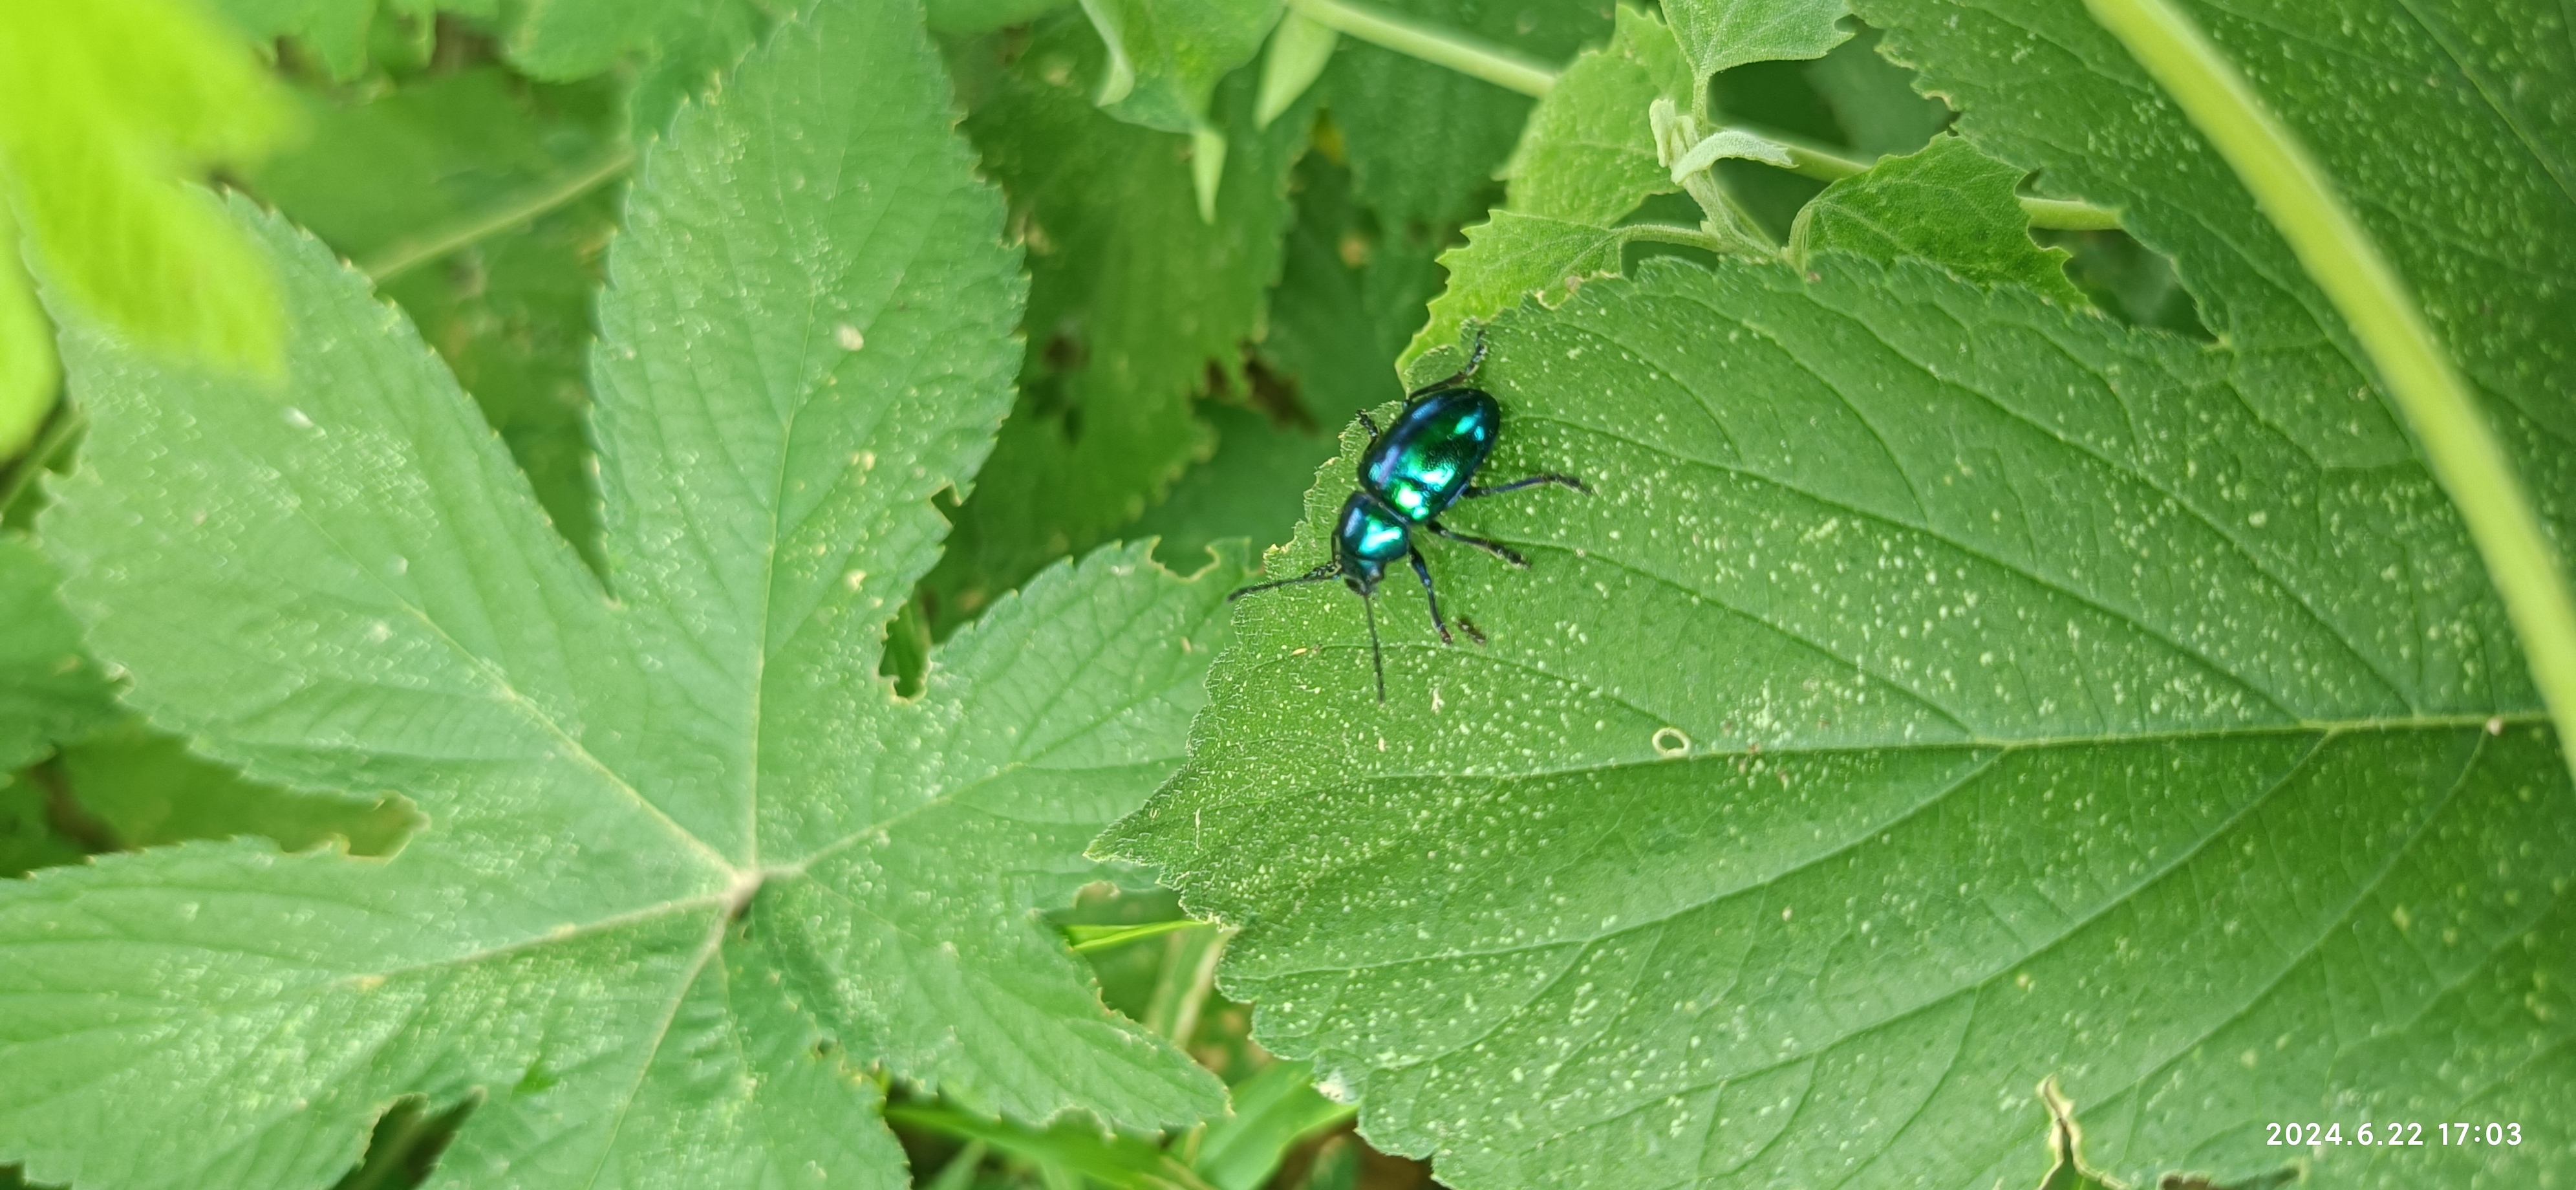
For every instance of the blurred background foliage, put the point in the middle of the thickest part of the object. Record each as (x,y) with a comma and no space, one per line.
(1225,267)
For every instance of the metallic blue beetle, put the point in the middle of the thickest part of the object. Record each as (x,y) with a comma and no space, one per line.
(1411,473)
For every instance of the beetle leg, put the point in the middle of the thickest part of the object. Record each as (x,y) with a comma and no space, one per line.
(1475,360)
(1423,568)
(1371,423)
(1563,481)
(1496,548)
(1327,570)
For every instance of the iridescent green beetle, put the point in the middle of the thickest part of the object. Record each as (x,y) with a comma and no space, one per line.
(1411,473)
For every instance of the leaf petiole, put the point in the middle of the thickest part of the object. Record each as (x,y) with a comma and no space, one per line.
(403,255)
(1467,55)
(1086,939)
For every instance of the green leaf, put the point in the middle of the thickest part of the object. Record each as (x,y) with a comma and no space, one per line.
(438,152)
(1135,305)
(151,792)
(1119,1162)
(2408,109)
(1587,159)
(510,311)
(49,690)
(1299,51)
(1948,204)
(29,373)
(104,106)
(1944,690)
(1511,257)
(1166,56)
(1589,152)
(1273,1111)
(678,46)
(968,17)
(29,841)
(1418,171)
(1720,35)
(692,869)
(1348,298)
(337,30)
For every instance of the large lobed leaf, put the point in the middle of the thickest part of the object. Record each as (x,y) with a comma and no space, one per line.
(690,868)
(1945,691)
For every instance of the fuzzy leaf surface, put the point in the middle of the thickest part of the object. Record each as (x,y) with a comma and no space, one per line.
(1720,35)
(1589,151)
(512,312)
(690,866)
(1944,691)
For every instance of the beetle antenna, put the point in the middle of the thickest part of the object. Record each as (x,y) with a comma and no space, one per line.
(1377,655)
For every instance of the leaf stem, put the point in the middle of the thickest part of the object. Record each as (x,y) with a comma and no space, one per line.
(1443,47)
(1671,233)
(403,255)
(2296,195)
(1812,160)
(1123,935)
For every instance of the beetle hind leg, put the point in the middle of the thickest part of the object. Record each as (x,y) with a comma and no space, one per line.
(1562,481)
(1496,548)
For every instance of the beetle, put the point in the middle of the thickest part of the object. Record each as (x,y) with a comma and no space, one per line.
(1410,473)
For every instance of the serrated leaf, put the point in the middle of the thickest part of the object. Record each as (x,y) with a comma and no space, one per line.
(691,867)
(104,107)
(1719,35)
(2409,108)
(1588,154)
(1948,204)
(1165,56)
(1423,141)
(49,689)
(511,312)
(1943,691)
(1511,257)
(1135,306)
(678,46)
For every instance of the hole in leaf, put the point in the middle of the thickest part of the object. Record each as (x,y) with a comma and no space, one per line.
(405,1146)
(2128,280)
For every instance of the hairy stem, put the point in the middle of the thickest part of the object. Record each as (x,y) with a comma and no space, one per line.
(2339,254)
(403,255)
(1444,47)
